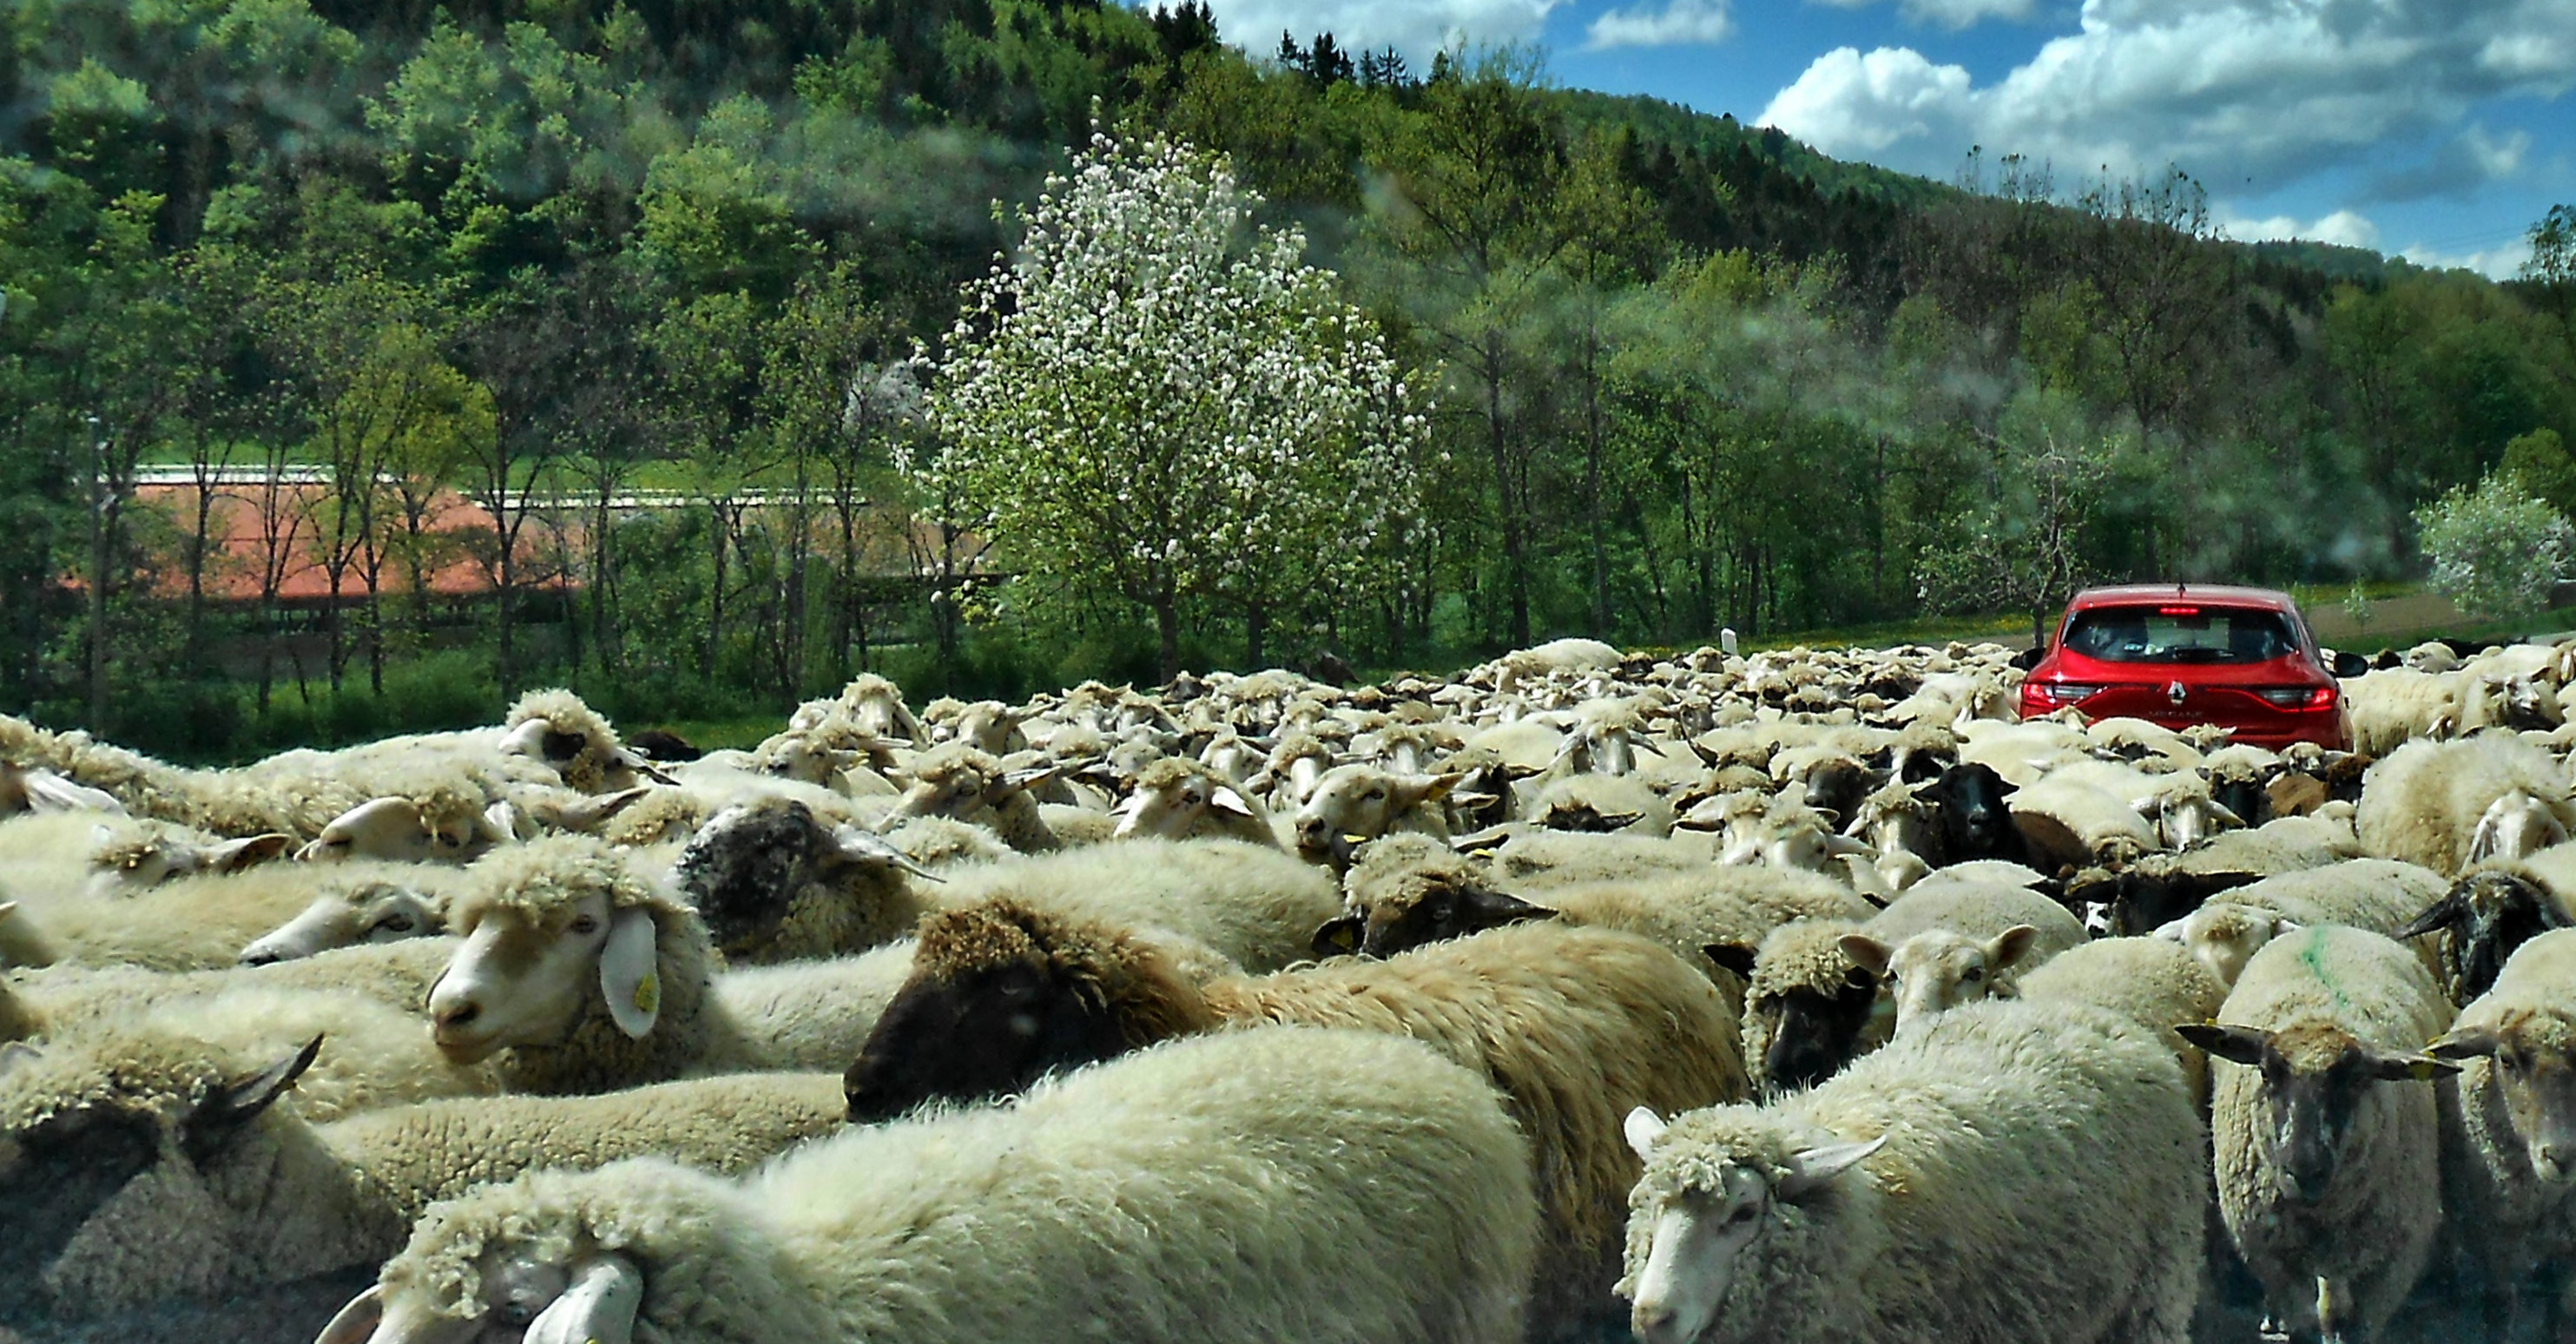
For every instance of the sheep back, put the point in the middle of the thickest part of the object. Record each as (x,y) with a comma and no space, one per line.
(1994,1210)
(1246,1186)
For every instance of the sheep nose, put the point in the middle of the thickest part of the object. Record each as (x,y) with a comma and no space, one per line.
(260,958)
(457,1015)
(1653,1321)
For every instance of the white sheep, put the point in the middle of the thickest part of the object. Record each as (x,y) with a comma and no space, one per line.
(2374,894)
(2510,1141)
(1278,1184)
(189,923)
(1956,1185)
(2446,805)
(2324,1121)
(1177,798)
(2069,821)
(2395,706)
(1362,802)
(166,1166)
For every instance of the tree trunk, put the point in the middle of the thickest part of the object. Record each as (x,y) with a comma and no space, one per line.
(1167,624)
(1256,633)
(101,549)
(1515,576)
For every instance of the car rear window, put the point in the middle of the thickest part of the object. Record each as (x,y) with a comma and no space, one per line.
(2177,633)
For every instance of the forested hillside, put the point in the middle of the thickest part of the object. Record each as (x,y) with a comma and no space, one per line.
(624,312)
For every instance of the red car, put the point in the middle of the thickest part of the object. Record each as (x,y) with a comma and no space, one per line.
(2184,654)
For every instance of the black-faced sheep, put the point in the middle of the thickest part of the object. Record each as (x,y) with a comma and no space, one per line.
(1572,1024)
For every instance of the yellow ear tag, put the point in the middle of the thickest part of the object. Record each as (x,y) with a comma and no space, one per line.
(2423,1070)
(648,993)
(1345,939)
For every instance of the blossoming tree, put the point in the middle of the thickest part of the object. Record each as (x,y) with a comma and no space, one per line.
(1157,399)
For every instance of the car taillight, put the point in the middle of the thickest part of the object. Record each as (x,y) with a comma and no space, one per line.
(2300,697)
(2068,692)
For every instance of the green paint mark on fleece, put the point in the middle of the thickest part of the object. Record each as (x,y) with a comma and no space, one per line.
(2312,955)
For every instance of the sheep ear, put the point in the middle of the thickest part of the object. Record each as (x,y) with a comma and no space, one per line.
(2441,914)
(1643,1127)
(16,1053)
(1494,909)
(237,1104)
(1339,937)
(2408,1067)
(234,855)
(2464,1043)
(630,972)
(1437,787)
(2236,1045)
(1868,953)
(1811,1170)
(1843,844)
(598,1307)
(1227,800)
(357,1322)
(867,849)
(1735,957)
(2011,945)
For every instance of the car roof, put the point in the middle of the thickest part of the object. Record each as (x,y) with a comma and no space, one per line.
(2214,593)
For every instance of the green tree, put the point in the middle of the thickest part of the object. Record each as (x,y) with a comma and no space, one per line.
(1159,401)
(2538,462)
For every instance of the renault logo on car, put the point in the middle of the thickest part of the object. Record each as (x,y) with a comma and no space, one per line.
(2174,691)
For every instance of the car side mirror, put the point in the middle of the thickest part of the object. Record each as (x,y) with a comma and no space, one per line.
(2349,664)
(2029,658)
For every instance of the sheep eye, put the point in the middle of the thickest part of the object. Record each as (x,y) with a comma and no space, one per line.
(586,924)
(395,923)
(517,1314)
(1374,794)
(1973,976)
(1743,1214)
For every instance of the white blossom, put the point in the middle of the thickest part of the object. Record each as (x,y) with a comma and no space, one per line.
(1155,395)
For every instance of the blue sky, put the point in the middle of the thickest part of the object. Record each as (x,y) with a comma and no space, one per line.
(2439,130)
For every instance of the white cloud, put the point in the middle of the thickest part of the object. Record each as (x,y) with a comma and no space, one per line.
(2344,228)
(1676,23)
(2495,263)
(1416,27)
(1951,14)
(2231,90)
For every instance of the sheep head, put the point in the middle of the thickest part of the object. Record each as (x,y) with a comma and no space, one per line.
(1363,802)
(372,907)
(1938,970)
(2224,935)
(2315,1078)
(121,1115)
(1173,795)
(1716,1184)
(2485,917)
(557,933)
(1001,994)
(2528,1055)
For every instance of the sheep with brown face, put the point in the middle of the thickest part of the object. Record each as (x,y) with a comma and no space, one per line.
(1572,1024)
(2324,1120)
(2509,1165)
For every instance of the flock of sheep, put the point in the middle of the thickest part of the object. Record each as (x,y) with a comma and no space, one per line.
(1800,995)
